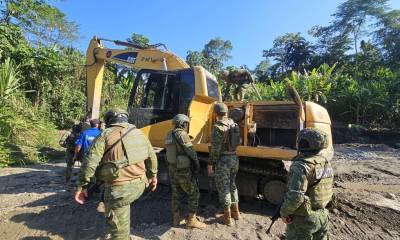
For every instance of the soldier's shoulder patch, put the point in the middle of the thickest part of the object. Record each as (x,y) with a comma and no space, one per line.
(322,173)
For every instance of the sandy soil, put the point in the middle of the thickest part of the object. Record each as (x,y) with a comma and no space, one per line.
(36,204)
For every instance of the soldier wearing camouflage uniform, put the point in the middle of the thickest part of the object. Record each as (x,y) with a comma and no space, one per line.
(226,165)
(239,79)
(123,156)
(309,188)
(184,167)
(68,141)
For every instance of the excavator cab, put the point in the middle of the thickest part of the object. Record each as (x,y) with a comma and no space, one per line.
(158,96)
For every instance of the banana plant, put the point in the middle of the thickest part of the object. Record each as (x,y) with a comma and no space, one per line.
(9,79)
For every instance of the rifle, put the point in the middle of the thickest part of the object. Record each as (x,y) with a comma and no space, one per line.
(94,188)
(275,216)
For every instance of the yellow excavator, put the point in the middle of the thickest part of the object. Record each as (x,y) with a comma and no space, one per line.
(166,85)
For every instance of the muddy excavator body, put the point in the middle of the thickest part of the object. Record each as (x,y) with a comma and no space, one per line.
(165,85)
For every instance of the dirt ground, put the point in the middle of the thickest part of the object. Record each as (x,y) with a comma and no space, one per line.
(36,204)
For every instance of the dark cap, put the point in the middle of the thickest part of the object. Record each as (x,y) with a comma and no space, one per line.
(94,122)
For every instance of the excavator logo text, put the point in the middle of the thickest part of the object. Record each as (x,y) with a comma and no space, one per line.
(129,57)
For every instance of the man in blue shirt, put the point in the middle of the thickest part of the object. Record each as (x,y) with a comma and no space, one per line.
(86,138)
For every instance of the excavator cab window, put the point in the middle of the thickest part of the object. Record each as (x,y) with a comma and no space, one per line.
(212,88)
(154,97)
(159,91)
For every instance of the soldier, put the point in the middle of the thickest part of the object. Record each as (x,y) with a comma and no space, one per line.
(309,188)
(68,141)
(240,79)
(121,154)
(223,156)
(184,167)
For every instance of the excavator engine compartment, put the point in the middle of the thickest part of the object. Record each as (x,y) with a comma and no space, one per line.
(268,124)
(277,125)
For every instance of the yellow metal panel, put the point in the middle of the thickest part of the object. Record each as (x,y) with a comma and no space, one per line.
(200,113)
(266,152)
(316,113)
(200,81)
(157,132)
(318,117)
(94,78)
(257,152)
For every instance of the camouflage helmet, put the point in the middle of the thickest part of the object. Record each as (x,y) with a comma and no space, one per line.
(312,139)
(115,115)
(220,108)
(180,119)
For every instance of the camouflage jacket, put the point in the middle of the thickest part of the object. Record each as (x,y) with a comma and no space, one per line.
(218,140)
(95,156)
(304,193)
(184,141)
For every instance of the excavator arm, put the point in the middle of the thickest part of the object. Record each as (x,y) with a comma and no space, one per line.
(134,57)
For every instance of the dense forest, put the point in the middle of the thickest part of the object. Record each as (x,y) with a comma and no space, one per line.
(351,66)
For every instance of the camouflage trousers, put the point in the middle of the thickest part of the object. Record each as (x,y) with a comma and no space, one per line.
(70,164)
(239,91)
(312,227)
(117,200)
(183,183)
(225,175)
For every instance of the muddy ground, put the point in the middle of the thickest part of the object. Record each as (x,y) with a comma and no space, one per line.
(36,204)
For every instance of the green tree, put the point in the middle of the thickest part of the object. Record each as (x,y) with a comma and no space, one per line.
(196,58)
(369,60)
(351,17)
(388,36)
(213,56)
(331,49)
(261,71)
(139,39)
(347,28)
(13,44)
(43,23)
(291,52)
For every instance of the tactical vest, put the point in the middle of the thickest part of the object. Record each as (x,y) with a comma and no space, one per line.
(175,155)
(231,133)
(320,183)
(135,149)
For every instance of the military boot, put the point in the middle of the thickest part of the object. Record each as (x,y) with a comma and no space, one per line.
(178,219)
(226,217)
(193,222)
(235,211)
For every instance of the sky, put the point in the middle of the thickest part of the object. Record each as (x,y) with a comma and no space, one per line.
(250,25)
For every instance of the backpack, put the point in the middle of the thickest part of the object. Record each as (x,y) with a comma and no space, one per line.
(232,136)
